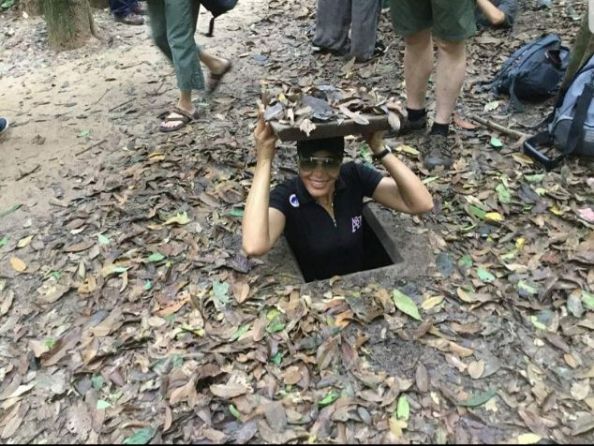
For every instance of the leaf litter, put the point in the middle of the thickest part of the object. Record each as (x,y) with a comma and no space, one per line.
(158,329)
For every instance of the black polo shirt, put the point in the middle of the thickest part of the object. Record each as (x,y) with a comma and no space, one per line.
(326,247)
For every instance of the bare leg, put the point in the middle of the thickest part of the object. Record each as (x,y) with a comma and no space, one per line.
(185,101)
(451,69)
(418,63)
(215,64)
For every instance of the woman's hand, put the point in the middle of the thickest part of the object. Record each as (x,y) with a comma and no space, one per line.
(375,141)
(265,138)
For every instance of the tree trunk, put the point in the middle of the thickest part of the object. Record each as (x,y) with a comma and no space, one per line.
(69,22)
(582,50)
(31,7)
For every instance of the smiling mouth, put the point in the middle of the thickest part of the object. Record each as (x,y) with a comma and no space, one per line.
(318,184)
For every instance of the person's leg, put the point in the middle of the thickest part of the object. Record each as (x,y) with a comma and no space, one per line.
(173,24)
(454,22)
(451,69)
(120,8)
(365,18)
(123,11)
(418,64)
(333,18)
(413,20)
(158,21)
(181,16)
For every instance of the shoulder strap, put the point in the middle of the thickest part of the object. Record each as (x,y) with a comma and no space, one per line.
(516,104)
(531,148)
(211,28)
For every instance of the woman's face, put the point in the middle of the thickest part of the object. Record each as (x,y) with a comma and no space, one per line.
(319,173)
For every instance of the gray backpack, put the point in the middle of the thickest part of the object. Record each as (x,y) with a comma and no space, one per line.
(570,127)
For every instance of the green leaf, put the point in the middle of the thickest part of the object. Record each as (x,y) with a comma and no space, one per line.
(365,153)
(97,382)
(275,326)
(476,211)
(330,397)
(526,289)
(6,4)
(56,274)
(485,275)
(478,399)
(403,410)
(240,332)
(103,240)
(277,359)
(588,300)
(220,292)
(237,213)
(234,412)
(3,241)
(155,257)
(496,143)
(503,193)
(49,343)
(272,314)
(148,285)
(177,361)
(534,178)
(142,436)
(84,134)
(102,404)
(465,262)
(406,304)
(537,323)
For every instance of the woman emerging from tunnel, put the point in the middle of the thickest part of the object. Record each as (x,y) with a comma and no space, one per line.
(320,211)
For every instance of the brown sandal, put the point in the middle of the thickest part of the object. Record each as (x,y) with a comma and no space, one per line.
(176,115)
(215,79)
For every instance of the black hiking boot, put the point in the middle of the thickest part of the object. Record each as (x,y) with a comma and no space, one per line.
(439,152)
(407,126)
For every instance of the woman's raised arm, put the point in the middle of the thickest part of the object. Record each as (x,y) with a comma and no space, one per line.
(262,226)
(403,190)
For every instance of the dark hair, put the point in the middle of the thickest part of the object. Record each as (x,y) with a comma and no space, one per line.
(308,147)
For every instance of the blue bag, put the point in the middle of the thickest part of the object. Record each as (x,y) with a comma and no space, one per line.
(533,72)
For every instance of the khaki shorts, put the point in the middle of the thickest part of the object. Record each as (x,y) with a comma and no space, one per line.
(449,20)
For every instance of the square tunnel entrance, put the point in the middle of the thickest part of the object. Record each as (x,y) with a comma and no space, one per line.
(395,249)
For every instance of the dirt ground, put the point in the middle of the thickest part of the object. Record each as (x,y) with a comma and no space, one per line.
(129,314)
(67,109)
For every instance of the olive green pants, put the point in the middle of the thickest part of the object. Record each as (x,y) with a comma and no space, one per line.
(449,20)
(173,25)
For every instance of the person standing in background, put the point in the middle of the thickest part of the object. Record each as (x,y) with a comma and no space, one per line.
(127,11)
(450,23)
(173,25)
(334,20)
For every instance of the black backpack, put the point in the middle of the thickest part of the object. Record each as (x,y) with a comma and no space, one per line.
(216,8)
(533,72)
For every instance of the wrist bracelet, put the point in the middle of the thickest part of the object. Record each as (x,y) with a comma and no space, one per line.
(379,156)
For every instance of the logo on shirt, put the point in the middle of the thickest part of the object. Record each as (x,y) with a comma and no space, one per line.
(294,201)
(357,222)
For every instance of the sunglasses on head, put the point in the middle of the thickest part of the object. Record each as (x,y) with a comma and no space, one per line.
(325,162)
